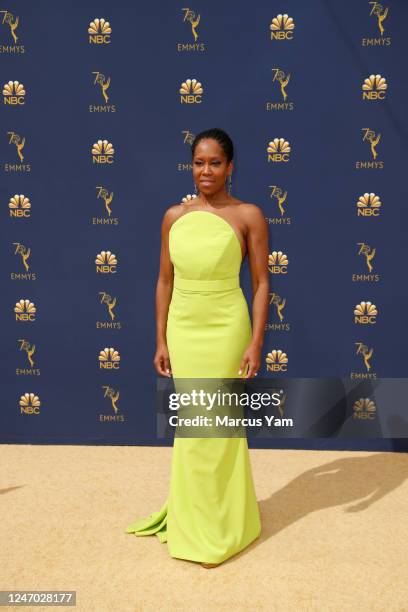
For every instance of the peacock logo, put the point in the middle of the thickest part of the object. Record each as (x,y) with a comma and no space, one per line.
(25,310)
(106,262)
(364,408)
(278,263)
(282,27)
(365,313)
(368,205)
(14,93)
(278,150)
(19,206)
(276,361)
(109,359)
(102,152)
(29,404)
(374,87)
(191,92)
(99,31)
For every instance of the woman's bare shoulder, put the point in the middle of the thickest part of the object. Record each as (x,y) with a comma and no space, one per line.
(172,213)
(251,213)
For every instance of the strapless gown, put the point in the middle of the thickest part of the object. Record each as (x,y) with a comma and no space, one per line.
(211,511)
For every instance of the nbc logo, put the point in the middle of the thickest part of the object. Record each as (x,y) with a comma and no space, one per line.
(282,27)
(278,150)
(30,404)
(99,31)
(13,93)
(106,262)
(102,152)
(276,361)
(109,359)
(374,87)
(364,408)
(19,206)
(191,92)
(278,263)
(25,310)
(368,205)
(365,313)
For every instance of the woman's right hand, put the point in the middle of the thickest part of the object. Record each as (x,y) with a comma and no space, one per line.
(162,361)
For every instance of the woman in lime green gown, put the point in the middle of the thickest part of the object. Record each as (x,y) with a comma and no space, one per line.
(211,512)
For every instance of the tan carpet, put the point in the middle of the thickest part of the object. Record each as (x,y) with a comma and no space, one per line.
(334,532)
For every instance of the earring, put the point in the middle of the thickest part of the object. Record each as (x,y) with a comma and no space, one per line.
(195,189)
(229,184)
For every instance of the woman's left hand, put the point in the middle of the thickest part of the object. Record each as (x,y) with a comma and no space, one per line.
(252,359)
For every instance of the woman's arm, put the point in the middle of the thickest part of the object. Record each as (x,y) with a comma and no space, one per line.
(257,245)
(164,289)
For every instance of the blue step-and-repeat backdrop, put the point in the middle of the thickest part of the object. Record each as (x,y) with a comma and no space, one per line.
(100,102)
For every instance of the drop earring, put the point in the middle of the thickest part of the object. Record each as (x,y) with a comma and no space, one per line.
(229,184)
(195,189)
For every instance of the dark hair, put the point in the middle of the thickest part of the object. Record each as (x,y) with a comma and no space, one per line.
(220,136)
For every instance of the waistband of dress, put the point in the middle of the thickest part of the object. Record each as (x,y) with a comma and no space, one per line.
(196,284)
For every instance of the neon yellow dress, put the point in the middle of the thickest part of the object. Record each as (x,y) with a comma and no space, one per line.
(211,512)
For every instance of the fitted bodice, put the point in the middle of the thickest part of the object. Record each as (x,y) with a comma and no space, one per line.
(204,246)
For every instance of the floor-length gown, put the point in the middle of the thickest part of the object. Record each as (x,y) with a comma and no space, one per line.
(211,512)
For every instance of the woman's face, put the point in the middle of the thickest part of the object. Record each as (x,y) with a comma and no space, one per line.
(210,167)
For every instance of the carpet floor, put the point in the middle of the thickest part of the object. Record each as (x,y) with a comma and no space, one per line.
(334,532)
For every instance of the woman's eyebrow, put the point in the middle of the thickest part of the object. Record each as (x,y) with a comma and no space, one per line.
(215,157)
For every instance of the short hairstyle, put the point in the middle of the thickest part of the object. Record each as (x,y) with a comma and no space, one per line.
(220,136)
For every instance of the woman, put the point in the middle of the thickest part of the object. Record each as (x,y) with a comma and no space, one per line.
(204,331)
